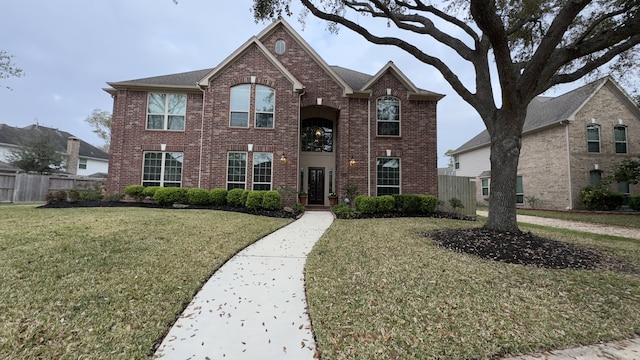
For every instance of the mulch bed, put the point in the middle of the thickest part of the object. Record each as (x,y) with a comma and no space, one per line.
(524,248)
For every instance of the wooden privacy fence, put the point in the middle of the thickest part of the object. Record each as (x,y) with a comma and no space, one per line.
(460,187)
(25,188)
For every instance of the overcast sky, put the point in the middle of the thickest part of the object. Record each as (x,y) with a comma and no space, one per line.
(69,49)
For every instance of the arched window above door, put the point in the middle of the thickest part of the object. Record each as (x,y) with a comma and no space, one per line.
(316,135)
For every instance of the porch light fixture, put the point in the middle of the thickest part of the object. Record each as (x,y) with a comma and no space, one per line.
(283,158)
(352,161)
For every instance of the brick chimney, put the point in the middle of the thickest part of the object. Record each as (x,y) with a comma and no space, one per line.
(73,155)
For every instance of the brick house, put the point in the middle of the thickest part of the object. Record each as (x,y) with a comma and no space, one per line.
(568,142)
(273,114)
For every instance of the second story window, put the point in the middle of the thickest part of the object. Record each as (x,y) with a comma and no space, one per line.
(265,104)
(593,138)
(620,137)
(240,96)
(166,111)
(388,116)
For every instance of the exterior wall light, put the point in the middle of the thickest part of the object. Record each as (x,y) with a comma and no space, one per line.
(283,158)
(352,161)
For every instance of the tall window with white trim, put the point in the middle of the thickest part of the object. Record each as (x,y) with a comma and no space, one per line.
(388,176)
(262,170)
(236,170)
(162,169)
(166,111)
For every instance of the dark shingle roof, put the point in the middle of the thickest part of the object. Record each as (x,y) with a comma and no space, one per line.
(187,79)
(544,111)
(354,79)
(19,136)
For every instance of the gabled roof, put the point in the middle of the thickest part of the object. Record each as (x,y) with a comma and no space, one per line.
(544,111)
(15,136)
(414,92)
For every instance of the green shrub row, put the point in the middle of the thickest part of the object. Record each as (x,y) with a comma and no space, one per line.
(400,203)
(252,199)
(73,195)
(600,198)
(634,202)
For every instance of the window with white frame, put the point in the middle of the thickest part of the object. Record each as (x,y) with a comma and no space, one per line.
(519,191)
(620,138)
(388,116)
(166,111)
(456,162)
(485,185)
(387,176)
(162,169)
(593,138)
(240,97)
(265,105)
(82,163)
(236,170)
(262,170)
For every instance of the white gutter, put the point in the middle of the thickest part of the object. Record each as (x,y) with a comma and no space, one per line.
(300,95)
(201,137)
(570,206)
(369,145)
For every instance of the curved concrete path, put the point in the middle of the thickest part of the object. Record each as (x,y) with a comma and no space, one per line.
(254,306)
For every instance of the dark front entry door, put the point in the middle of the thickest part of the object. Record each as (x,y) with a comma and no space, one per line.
(316,186)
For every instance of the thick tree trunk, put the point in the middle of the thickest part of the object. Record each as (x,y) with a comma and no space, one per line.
(505,152)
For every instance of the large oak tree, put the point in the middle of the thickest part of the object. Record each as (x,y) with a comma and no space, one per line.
(524,47)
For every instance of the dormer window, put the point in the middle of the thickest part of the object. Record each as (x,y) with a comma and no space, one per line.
(281,47)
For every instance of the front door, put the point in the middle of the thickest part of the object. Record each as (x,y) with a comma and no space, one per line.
(316,186)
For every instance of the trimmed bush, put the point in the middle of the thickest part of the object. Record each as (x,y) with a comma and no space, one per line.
(91,195)
(272,200)
(198,196)
(150,191)
(600,198)
(254,199)
(55,197)
(366,204)
(634,202)
(245,194)
(357,200)
(344,211)
(114,197)
(234,197)
(385,204)
(74,195)
(218,196)
(135,191)
(429,204)
(171,195)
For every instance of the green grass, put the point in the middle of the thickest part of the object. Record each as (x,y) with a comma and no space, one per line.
(379,289)
(631,220)
(106,283)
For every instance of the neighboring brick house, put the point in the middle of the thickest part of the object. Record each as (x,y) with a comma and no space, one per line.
(81,158)
(568,142)
(273,114)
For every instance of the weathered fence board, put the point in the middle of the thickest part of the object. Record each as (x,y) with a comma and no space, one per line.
(460,187)
(21,188)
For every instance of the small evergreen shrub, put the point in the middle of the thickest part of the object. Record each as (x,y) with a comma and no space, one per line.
(114,197)
(600,198)
(385,204)
(245,194)
(56,197)
(198,196)
(234,197)
(344,211)
(297,208)
(254,199)
(429,204)
(74,195)
(456,204)
(91,195)
(355,202)
(135,191)
(150,191)
(407,203)
(366,204)
(634,202)
(218,197)
(171,195)
(272,200)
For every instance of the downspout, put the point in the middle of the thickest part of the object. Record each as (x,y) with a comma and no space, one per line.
(566,127)
(201,136)
(300,95)
(369,145)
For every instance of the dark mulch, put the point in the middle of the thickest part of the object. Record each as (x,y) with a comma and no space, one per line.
(524,248)
(65,204)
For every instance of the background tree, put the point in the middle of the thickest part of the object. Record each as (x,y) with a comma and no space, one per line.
(628,170)
(37,156)
(449,154)
(100,121)
(532,45)
(8,69)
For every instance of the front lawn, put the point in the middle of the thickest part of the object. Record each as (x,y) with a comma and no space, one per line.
(105,283)
(380,289)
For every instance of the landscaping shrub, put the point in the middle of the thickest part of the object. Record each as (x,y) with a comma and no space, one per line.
(91,195)
(344,211)
(355,202)
(198,196)
(234,197)
(218,196)
(407,203)
(297,208)
(385,204)
(245,194)
(55,197)
(366,204)
(135,191)
(171,195)
(150,191)
(634,202)
(600,198)
(272,200)
(254,199)
(429,204)
(114,197)
(74,195)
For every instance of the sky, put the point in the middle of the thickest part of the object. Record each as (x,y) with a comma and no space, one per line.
(70,49)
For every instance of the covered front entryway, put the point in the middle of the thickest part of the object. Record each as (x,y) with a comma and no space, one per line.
(318,152)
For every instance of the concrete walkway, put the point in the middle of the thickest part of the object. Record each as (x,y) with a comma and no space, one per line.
(254,306)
